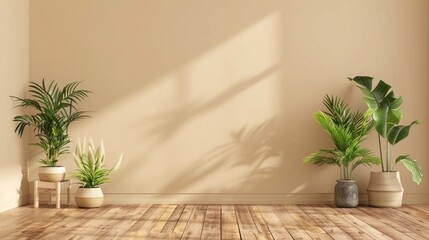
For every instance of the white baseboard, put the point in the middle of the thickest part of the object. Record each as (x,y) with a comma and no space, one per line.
(219,198)
(199,198)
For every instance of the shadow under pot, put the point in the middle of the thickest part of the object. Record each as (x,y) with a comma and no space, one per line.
(346,194)
(89,197)
(52,174)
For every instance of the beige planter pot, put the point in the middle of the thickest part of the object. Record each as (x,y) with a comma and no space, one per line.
(385,189)
(89,197)
(52,174)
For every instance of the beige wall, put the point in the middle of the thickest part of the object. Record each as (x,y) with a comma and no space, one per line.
(14,70)
(189,91)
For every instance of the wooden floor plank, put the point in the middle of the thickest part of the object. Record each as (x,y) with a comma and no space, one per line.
(306,223)
(68,223)
(195,226)
(248,229)
(363,226)
(143,219)
(16,220)
(272,222)
(174,218)
(260,223)
(183,220)
(146,228)
(275,224)
(379,225)
(328,226)
(88,229)
(413,215)
(337,219)
(420,207)
(211,228)
(290,223)
(394,222)
(131,215)
(162,221)
(229,226)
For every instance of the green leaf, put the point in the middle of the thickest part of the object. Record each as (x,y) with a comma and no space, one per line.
(347,130)
(413,166)
(380,91)
(53,111)
(364,81)
(399,132)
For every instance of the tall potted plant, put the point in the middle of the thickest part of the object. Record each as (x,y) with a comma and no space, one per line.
(91,173)
(347,130)
(52,110)
(385,188)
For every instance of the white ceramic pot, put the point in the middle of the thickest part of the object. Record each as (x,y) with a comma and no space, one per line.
(89,197)
(52,174)
(385,189)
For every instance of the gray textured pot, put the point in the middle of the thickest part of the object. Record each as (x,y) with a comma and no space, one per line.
(346,193)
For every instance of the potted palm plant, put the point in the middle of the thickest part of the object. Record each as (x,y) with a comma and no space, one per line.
(52,111)
(385,188)
(91,173)
(347,130)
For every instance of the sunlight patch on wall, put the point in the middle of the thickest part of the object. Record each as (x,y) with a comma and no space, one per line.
(172,128)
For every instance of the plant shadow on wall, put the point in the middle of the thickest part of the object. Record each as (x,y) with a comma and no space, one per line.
(22,191)
(164,125)
(256,149)
(149,47)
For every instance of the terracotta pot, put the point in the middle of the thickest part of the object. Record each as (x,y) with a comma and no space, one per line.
(385,189)
(89,197)
(52,174)
(346,193)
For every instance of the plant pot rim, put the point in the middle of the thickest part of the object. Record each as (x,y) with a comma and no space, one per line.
(50,166)
(346,180)
(384,172)
(88,187)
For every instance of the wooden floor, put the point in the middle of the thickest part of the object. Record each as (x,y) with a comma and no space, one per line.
(216,222)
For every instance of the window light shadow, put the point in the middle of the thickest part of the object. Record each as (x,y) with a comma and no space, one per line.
(250,147)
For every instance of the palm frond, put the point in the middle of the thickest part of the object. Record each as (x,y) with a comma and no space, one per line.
(54,112)
(347,130)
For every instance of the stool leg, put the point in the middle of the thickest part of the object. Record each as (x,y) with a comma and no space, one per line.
(49,196)
(68,194)
(36,194)
(58,195)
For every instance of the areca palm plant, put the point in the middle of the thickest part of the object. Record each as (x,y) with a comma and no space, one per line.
(53,110)
(347,130)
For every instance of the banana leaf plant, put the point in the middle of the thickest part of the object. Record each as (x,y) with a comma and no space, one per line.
(347,130)
(53,110)
(386,112)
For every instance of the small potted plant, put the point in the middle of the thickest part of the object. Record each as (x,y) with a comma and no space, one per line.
(347,130)
(91,173)
(52,111)
(385,188)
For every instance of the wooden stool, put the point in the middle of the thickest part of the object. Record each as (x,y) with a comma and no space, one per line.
(52,185)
